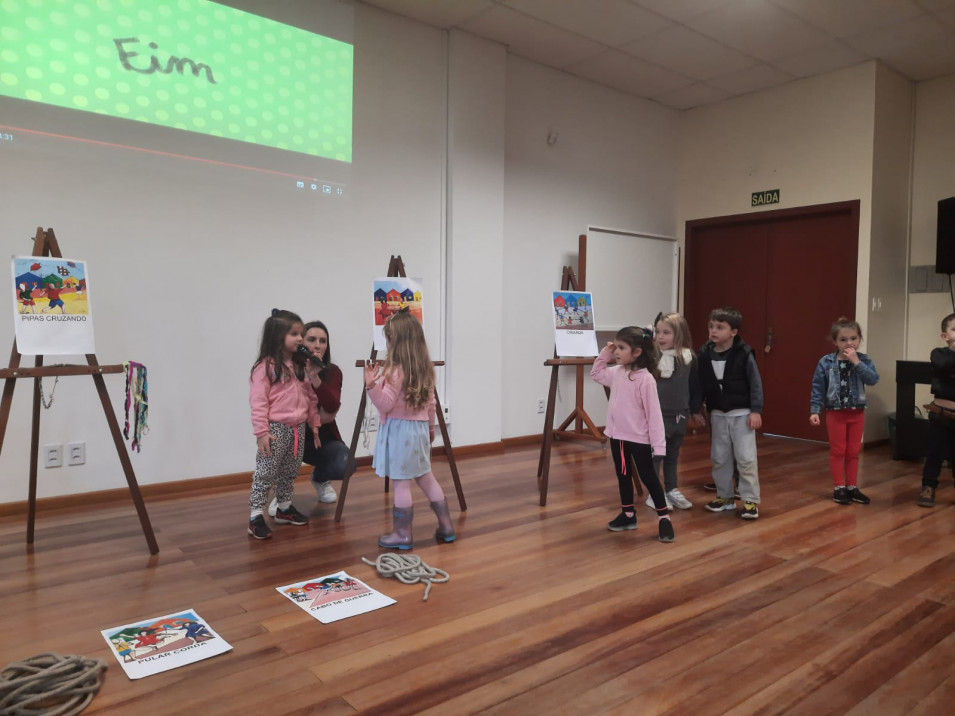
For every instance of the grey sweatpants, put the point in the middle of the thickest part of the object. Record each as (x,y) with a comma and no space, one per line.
(732,438)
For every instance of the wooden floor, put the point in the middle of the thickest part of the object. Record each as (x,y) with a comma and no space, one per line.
(816,608)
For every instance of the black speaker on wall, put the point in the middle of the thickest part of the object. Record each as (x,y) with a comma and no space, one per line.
(945,239)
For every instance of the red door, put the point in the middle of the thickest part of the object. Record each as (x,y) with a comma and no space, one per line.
(791,273)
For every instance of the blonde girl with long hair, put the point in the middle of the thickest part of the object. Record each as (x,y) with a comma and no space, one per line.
(402,388)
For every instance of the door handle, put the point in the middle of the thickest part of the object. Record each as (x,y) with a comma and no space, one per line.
(769,341)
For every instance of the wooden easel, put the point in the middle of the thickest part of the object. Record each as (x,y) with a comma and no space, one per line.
(396,267)
(46,244)
(568,282)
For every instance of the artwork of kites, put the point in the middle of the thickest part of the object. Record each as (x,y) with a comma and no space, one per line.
(155,645)
(391,295)
(335,596)
(51,303)
(574,333)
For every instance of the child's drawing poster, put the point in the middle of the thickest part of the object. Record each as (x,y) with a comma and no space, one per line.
(574,333)
(51,305)
(156,645)
(392,295)
(337,596)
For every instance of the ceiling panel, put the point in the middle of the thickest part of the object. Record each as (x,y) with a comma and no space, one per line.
(684,53)
(689,52)
(438,13)
(532,38)
(832,56)
(630,74)
(693,96)
(752,79)
(609,22)
(842,18)
(758,29)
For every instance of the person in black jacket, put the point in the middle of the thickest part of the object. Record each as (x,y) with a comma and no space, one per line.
(733,394)
(940,439)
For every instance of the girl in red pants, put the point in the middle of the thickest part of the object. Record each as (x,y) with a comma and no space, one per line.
(838,386)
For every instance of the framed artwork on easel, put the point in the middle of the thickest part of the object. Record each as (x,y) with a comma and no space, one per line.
(51,303)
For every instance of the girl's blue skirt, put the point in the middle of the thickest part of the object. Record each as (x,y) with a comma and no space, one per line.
(403,449)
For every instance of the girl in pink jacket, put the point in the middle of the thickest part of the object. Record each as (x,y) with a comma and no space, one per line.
(282,403)
(634,423)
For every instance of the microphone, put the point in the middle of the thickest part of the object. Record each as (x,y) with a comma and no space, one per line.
(308,354)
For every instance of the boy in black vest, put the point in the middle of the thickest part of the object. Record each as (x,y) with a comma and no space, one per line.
(733,393)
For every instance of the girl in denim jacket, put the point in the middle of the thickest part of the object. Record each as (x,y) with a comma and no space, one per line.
(838,386)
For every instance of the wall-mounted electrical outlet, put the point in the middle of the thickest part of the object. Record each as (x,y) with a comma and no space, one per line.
(75,453)
(447,414)
(541,405)
(52,456)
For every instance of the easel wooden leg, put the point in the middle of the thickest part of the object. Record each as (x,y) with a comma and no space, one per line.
(124,458)
(34,453)
(352,450)
(543,466)
(7,401)
(450,453)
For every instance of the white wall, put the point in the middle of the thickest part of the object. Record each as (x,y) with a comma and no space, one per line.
(613,166)
(891,180)
(477,78)
(933,178)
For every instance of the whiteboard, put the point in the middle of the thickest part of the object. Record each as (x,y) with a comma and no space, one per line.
(632,276)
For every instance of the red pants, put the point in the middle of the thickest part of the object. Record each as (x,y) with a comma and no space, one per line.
(845,441)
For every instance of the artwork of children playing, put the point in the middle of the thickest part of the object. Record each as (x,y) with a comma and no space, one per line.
(154,645)
(573,310)
(52,307)
(50,286)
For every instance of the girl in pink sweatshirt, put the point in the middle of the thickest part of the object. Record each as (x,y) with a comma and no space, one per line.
(403,391)
(282,403)
(634,423)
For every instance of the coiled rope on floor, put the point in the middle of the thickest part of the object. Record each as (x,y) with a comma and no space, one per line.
(409,569)
(50,684)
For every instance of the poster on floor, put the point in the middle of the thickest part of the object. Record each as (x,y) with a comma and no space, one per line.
(336,596)
(155,645)
(574,331)
(51,306)
(391,295)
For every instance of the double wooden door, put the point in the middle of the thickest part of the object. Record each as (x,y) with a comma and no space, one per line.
(791,273)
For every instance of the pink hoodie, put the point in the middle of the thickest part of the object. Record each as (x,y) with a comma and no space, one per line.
(634,410)
(290,401)
(389,397)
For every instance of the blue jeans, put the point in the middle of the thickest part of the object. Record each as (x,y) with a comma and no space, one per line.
(330,462)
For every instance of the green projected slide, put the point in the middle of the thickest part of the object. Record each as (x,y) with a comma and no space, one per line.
(188,64)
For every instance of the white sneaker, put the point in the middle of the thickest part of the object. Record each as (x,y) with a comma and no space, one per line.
(273,506)
(650,504)
(676,498)
(326,493)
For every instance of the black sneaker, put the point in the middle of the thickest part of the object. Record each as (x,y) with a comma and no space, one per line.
(855,495)
(258,528)
(665,531)
(841,496)
(750,511)
(927,497)
(621,522)
(291,516)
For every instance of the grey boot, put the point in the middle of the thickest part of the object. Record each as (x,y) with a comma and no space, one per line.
(445,531)
(400,538)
